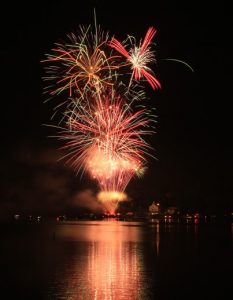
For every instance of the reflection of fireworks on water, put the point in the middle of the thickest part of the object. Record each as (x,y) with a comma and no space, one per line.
(103,133)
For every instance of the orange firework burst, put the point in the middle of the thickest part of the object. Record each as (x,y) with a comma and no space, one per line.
(81,64)
(105,139)
(111,169)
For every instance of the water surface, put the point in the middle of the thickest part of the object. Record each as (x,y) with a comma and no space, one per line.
(116,260)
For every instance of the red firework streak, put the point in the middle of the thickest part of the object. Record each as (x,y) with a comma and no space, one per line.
(139,57)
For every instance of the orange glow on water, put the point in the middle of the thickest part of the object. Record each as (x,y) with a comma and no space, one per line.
(111,269)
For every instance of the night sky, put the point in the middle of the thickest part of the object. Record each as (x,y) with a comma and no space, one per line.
(193,143)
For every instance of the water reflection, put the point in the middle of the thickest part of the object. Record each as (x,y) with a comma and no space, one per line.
(107,263)
(156,234)
(116,260)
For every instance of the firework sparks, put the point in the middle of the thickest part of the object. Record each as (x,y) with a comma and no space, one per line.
(139,58)
(106,141)
(103,135)
(111,170)
(81,64)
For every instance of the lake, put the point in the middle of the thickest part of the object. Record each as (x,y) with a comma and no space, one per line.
(116,260)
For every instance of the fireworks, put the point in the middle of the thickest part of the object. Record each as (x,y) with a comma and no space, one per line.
(102,129)
(139,58)
(80,65)
(111,199)
(106,140)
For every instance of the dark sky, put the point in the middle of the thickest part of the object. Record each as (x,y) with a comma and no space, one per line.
(194,131)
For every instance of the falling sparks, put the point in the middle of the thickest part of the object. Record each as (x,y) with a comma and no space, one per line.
(106,141)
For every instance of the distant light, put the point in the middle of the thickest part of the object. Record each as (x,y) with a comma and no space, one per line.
(16,217)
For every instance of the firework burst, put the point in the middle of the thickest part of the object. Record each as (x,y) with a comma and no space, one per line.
(82,64)
(139,58)
(105,140)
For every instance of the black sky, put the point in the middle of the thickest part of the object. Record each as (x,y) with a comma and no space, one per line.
(194,131)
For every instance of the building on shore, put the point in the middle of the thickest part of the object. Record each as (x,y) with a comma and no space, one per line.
(154,210)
